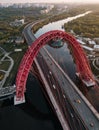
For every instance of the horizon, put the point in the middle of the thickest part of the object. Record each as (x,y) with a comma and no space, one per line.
(46,1)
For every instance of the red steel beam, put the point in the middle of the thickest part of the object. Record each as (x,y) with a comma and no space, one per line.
(82,64)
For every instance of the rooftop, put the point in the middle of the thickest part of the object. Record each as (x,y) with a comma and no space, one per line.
(88,48)
(81,41)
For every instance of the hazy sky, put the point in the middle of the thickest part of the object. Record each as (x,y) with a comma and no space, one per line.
(50,1)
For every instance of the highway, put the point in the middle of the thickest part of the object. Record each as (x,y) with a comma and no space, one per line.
(28,34)
(74,95)
(59,95)
(81,115)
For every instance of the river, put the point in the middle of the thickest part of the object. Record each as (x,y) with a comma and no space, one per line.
(58,24)
(36,114)
(61,55)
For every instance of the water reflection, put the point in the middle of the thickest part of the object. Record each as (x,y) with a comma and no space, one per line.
(35,114)
(64,57)
(58,24)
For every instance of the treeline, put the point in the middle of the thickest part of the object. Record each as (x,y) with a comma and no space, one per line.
(87,26)
(9,14)
(6,31)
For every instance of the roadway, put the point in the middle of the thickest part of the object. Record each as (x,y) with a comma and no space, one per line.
(28,34)
(79,102)
(82,110)
(60,97)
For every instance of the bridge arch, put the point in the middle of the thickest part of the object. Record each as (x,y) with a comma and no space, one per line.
(82,64)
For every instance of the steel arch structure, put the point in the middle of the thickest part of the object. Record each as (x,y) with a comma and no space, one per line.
(82,65)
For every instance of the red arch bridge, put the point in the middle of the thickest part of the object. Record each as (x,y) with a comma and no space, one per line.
(82,65)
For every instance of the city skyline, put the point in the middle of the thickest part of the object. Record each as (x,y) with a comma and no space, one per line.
(51,1)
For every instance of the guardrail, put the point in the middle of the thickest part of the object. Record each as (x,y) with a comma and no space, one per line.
(7,91)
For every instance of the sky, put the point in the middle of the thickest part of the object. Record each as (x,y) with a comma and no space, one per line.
(47,1)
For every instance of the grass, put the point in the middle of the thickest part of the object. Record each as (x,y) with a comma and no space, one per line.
(4,65)
(16,56)
(8,46)
(1,75)
(0,53)
(94,70)
(1,56)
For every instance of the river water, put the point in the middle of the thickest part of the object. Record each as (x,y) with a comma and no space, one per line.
(36,113)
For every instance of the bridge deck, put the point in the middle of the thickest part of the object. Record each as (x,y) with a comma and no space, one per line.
(82,108)
(91,121)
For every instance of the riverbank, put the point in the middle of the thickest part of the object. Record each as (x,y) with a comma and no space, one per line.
(87,26)
(64,15)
